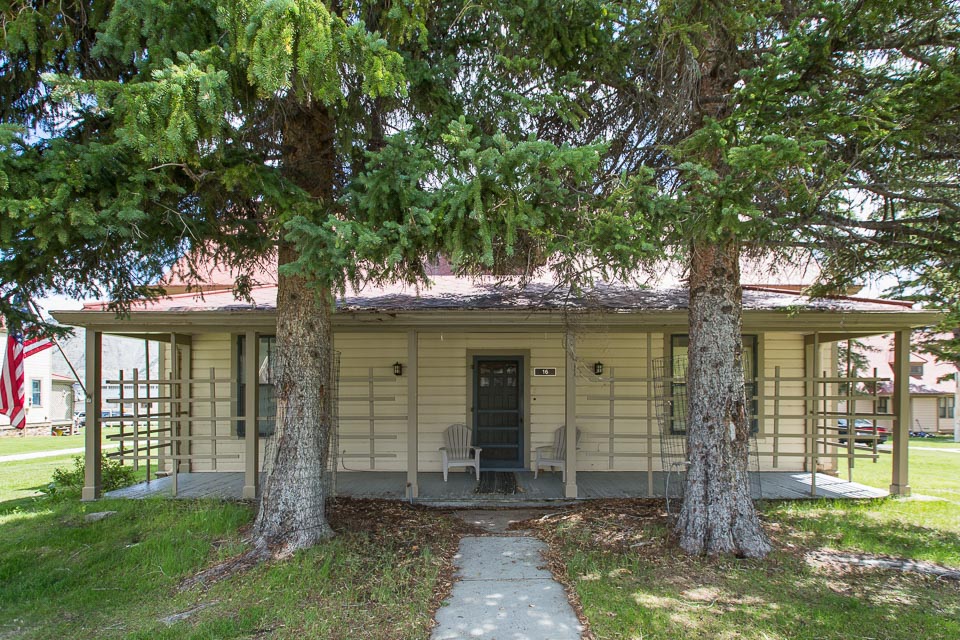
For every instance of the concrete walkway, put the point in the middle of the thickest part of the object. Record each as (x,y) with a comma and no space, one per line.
(503,592)
(49,454)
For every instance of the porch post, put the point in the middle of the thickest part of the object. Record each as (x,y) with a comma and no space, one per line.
(901,409)
(570,413)
(251,437)
(93,452)
(413,382)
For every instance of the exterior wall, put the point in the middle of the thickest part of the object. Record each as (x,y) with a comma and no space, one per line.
(210,418)
(61,400)
(36,367)
(616,411)
(373,401)
(778,443)
(445,383)
(925,413)
(924,410)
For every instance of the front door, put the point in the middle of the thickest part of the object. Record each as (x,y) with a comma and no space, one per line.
(498,411)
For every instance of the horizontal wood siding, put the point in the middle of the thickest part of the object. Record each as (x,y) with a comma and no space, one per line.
(629,438)
(373,434)
(786,351)
(926,415)
(444,376)
(214,350)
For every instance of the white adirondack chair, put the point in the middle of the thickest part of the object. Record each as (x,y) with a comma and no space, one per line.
(550,456)
(458,451)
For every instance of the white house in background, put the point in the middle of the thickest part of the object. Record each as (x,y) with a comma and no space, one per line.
(932,398)
(43,405)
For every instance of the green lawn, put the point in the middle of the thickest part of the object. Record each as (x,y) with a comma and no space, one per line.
(63,577)
(24,478)
(634,583)
(13,445)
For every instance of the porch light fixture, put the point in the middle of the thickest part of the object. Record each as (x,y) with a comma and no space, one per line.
(598,368)
(397,369)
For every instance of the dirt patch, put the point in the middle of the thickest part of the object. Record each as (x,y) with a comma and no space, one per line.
(611,525)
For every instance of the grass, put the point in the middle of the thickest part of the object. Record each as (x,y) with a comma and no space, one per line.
(634,583)
(919,529)
(14,445)
(64,577)
(23,479)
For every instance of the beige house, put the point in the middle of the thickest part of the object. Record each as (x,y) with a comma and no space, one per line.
(514,365)
(933,387)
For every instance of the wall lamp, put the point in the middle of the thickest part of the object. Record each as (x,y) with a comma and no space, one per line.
(598,368)
(397,369)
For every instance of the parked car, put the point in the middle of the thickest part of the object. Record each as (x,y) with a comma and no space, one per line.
(80,417)
(864,430)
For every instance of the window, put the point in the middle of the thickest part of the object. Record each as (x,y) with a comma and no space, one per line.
(916,370)
(267,408)
(679,345)
(35,396)
(883,405)
(945,405)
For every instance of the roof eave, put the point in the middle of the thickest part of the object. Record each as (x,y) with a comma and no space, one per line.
(806,321)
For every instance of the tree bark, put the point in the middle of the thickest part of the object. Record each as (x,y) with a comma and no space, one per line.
(718,515)
(291,513)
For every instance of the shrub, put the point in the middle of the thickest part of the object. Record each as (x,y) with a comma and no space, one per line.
(69,480)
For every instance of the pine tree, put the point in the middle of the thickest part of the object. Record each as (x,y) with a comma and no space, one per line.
(714,131)
(134,133)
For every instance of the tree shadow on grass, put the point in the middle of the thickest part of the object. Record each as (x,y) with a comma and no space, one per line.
(666,594)
(857,526)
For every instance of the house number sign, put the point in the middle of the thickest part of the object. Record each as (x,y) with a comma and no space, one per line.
(552,371)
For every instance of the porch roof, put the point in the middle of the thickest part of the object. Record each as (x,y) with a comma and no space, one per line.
(449,295)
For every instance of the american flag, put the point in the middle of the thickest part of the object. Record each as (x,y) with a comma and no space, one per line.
(12,390)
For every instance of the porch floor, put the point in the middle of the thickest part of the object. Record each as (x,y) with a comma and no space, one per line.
(460,490)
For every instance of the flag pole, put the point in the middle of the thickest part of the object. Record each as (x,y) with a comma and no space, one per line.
(76,377)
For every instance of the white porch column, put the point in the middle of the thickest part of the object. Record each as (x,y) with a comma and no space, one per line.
(93,451)
(901,409)
(413,382)
(251,437)
(570,413)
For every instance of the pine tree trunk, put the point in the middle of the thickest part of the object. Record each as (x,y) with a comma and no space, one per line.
(293,495)
(718,515)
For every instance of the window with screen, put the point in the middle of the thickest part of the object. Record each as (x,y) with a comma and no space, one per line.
(946,405)
(35,394)
(267,408)
(883,405)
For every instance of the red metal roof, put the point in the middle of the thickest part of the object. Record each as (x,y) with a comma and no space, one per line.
(463,294)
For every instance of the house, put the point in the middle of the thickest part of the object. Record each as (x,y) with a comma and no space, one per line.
(933,386)
(513,364)
(44,392)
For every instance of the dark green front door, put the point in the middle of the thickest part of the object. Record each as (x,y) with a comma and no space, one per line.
(498,411)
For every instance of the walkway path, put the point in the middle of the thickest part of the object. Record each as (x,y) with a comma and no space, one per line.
(503,592)
(916,448)
(49,454)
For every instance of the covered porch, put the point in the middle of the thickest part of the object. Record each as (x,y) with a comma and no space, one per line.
(463,489)
(409,370)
